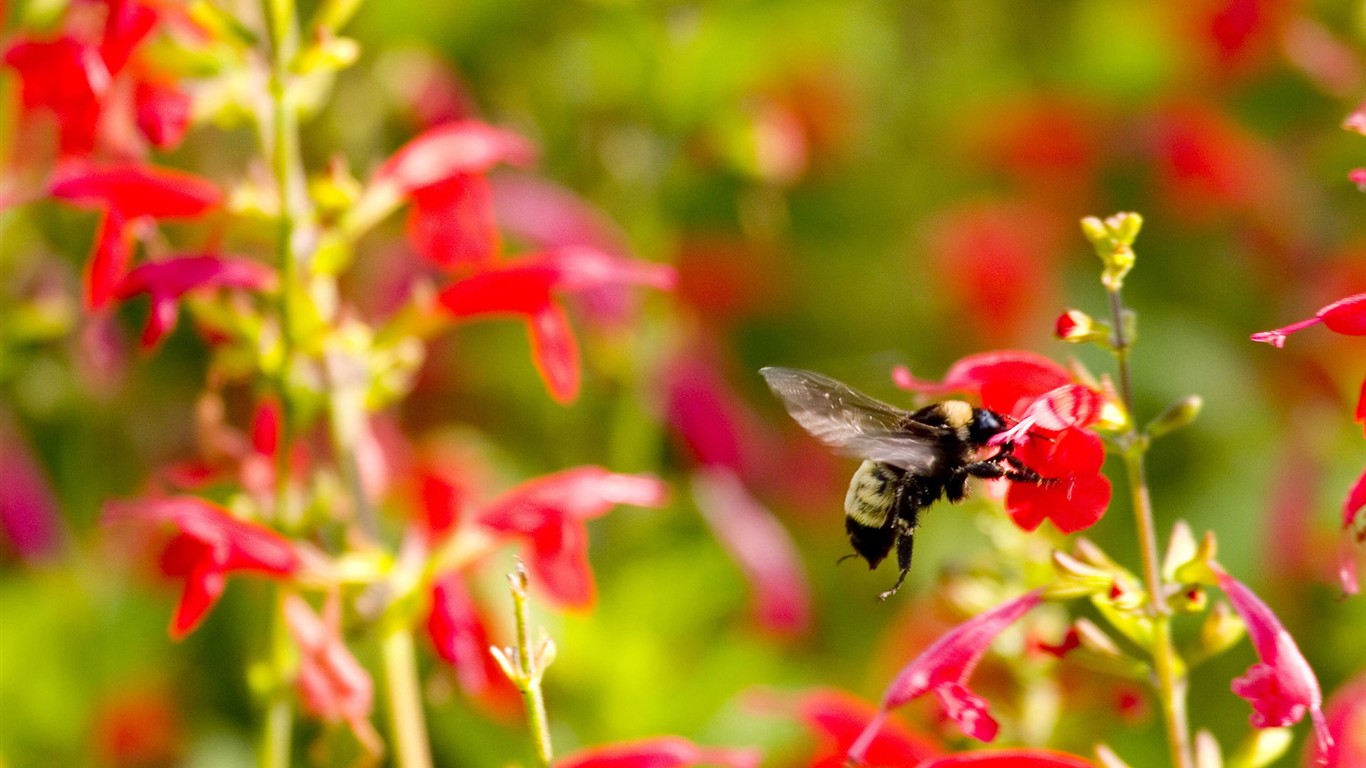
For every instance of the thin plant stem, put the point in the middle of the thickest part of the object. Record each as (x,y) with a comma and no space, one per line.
(277,734)
(407,723)
(526,666)
(1171,679)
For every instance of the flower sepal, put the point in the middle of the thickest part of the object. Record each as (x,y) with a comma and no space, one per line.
(1178,414)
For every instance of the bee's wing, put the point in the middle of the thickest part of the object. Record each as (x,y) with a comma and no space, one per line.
(853,423)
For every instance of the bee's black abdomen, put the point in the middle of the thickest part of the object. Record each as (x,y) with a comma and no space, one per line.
(871,544)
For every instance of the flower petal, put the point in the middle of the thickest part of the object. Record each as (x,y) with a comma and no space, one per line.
(968,710)
(843,718)
(441,153)
(555,353)
(109,260)
(138,190)
(452,222)
(660,752)
(1006,381)
(1346,316)
(759,543)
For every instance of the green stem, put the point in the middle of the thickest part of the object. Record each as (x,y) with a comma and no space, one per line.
(407,724)
(277,734)
(530,679)
(1169,668)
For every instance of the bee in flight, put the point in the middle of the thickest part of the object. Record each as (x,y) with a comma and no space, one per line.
(910,459)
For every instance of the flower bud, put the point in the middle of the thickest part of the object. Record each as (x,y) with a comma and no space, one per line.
(1113,241)
(1189,599)
(1207,751)
(1220,631)
(1076,578)
(1175,416)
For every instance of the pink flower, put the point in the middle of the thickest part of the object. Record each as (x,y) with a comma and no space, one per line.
(126,193)
(332,685)
(29,512)
(659,752)
(1345,714)
(841,719)
(1281,687)
(442,172)
(458,634)
(759,544)
(209,545)
(167,280)
(943,669)
(162,112)
(550,512)
(528,287)
(1009,758)
(1346,316)
(1353,533)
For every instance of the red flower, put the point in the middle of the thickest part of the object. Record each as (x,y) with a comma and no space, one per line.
(458,633)
(841,719)
(943,669)
(528,287)
(29,511)
(1281,687)
(1346,316)
(1066,407)
(1077,494)
(1010,758)
(332,685)
(442,172)
(209,545)
(659,752)
(163,113)
(759,544)
(66,76)
(550,513)
(126,193)
(167,280)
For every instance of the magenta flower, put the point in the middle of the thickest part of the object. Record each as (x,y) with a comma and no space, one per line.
(332,685)
(943,669)
(1346,316)
(759,544)
(550,513)
(1281,687)
(840,719)
(441,172)
(209,544)
(126,193)
(659,752)
(529,286)
(1353,533)
(1009,758)
(167,280)
(29,513)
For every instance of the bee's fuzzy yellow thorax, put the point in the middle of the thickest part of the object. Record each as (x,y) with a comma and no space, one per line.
(957,414)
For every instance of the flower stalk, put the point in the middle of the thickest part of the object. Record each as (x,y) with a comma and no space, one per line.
(277,733)
(407,724)
(525,666)
(1113,240)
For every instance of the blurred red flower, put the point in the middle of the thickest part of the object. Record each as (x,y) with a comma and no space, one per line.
(659,752)
(125,194)
(840,719)
(163,112)
(441,172)
(67,77)
(1346,316)
(1353,534)
(1281,687)
(550,511)
(1005,381)
(943,669)
(459,635)
(209,544)
(136,727)
(529,287)
(165,281)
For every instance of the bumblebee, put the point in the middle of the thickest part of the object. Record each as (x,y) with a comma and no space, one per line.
(910,459)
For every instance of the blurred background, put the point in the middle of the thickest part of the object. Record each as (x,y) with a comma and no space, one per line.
(842,186)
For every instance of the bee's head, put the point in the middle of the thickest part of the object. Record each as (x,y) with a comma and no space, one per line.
(985,424)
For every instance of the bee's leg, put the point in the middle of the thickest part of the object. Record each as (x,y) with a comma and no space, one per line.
(1021,473)
(991,469)
(905,542)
